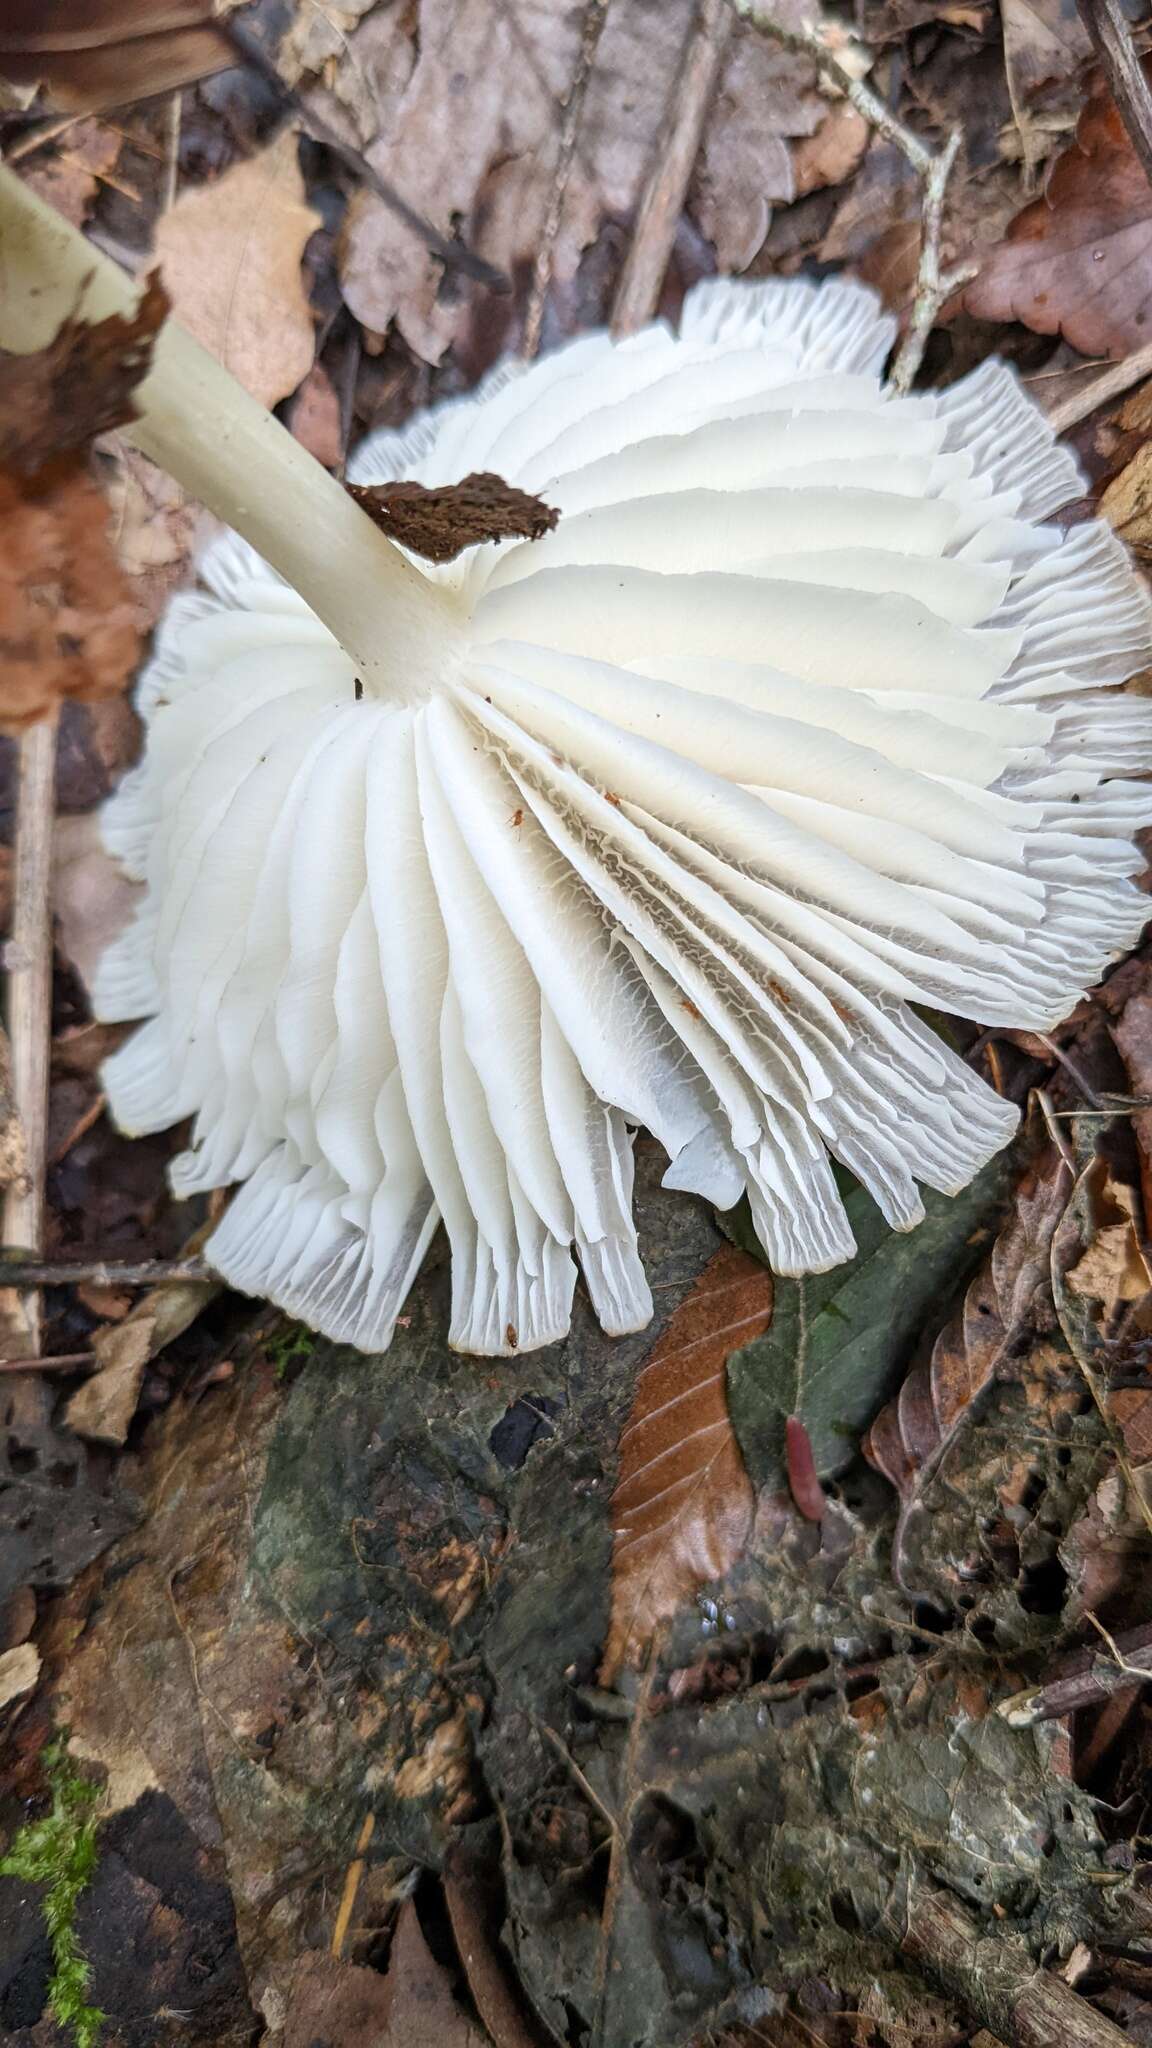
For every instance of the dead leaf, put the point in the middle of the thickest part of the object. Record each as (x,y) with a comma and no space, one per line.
(907,1439)
(67,628)
(833,152)
(67,625)
(68,177)
(103,1407)
(1126,503)
(155,528)
(340,2004)
(468,1892)
(92,897)
(439,524)
(1112,1269)
(1046,47)
(1078,261)
(683,1507)
(19,1670)
(315,418)
(458,105)
(54,401)
(230,255)
(91,54)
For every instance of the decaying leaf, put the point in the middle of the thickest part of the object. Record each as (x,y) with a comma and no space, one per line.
(92,897)
(840,1340)
(1112,1268)
(484,170)
(1126,502)
(91,54)
(68,176)
(1046,47)
(684,1503)
(907,1439)
(103,1407)
(410,2006)
(67,624)
(1078,261)
(56,400)
(230,256)
(439,524)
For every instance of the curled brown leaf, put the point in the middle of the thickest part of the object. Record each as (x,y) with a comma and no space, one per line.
(91,54)
(682,1510)
(1078,260)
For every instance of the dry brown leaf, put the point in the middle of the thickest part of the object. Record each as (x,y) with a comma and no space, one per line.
(91,54)
(104,1406)
(67,623)
(1126,503)
(464,119)
(833,152)
(346,2006)
(1112,1269)
(315,418)
(683,1507)
(68,176)
(230,256)
(1046,47)
(54,401)
(468,1897)
(1078,261)
(92,897)
(909,1434)
(439,524)
(19,1670)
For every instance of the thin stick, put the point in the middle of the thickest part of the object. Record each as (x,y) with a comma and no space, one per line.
(1111,38)
(638,292)
(1086,1686)
(66,1361)
(172,149)
(595,15)
(352,1882)
(934,285)
(1110,383)
(29,958)
(103,1272)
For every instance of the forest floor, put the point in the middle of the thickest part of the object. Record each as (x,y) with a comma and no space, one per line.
(368,1736)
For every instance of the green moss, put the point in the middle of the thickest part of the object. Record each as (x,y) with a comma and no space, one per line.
(59,1851)
(291,1346)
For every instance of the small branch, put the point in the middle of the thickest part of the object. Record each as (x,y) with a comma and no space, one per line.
(658,215)
(29,960)
(995,1975)
(67,1361)
(1093,1681)
(934,285)
(1109,383)
(595,15)
(1111,38)
(102,1272)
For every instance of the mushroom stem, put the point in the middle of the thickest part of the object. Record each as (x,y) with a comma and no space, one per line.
(201,426)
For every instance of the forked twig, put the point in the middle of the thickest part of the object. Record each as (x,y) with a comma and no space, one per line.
(934,284)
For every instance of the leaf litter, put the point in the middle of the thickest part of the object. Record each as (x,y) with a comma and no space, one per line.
(404,1594)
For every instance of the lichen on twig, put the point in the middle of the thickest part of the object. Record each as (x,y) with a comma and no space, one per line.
(935,284)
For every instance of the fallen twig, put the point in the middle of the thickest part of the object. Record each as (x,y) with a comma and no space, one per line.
(1111,35)
(104,1272)
(657,217)
(1111,382)
(595,15)
(934,285)
(1093,1679)
(29,961)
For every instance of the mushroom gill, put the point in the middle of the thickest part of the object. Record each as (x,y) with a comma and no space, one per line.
(802,717)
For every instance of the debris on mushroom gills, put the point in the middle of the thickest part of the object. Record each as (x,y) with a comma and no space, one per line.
(801,717)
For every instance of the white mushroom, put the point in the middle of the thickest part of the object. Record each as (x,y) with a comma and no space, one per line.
(800,718)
